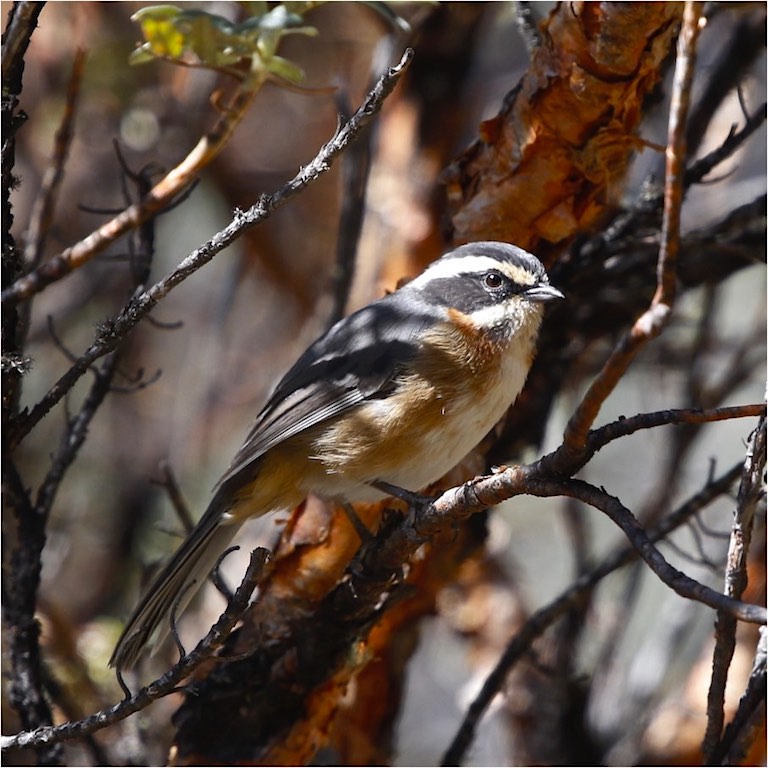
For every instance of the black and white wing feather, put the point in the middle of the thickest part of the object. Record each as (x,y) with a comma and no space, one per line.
(359,359)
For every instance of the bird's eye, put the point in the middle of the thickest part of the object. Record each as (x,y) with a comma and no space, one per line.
(493,280)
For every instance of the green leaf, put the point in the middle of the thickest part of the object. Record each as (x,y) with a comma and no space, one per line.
(213,41)
(285,69)
(158,25)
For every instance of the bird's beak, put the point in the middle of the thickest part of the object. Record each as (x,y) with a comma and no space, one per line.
(543,292)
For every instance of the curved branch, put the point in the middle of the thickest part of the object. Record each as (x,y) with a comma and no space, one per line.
(162,686)
(543,618)
(651,323)
(115,330)
(684,585)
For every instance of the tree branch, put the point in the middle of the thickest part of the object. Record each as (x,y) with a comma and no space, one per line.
(651,323)
(572,597)
(164,685)
(675,155)
(42,211)
(750,491)
(115,330)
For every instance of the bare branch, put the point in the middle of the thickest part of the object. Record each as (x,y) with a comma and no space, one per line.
(115,330)
(573,597)
(42,212)
(179,503)
(600,437)
(684,585)
(651,323)
(676,152)
(699,170)
(162,686)
(750,491)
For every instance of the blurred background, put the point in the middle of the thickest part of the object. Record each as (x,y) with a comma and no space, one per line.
(227,334)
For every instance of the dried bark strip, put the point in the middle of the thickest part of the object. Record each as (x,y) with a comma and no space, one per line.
(552,163)
(312,637)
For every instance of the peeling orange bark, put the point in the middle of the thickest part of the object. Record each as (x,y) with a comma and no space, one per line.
(553,161)
(550,165)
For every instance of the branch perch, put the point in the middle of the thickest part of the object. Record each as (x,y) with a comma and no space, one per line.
(113,331)
(162,686)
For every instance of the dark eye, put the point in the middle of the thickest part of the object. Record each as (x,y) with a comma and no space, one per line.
(493,280)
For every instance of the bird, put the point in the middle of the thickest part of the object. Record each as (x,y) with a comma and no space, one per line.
(392,396)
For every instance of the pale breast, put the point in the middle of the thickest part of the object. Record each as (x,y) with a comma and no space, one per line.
(427,426)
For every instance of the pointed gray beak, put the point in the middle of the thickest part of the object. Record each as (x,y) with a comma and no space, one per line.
(543,292)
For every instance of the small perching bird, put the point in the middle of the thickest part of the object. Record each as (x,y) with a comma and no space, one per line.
(395,394)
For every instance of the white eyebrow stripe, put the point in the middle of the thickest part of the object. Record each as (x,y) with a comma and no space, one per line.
(443,268)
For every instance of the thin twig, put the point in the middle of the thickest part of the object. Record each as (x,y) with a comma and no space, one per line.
(356,165)
(600,437)
(162,686)
(42,211)
(699,170)
(178,502)
(680,583)
(161,195)
(750,492)
(666,279)
(115,330)
(574,596)
(745,728)
(651,323)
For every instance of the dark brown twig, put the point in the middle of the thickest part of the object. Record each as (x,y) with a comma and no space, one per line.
(115,330)
(178,501)
(162,686)
(600,437)
(575,595)
(42,211)
(699,170)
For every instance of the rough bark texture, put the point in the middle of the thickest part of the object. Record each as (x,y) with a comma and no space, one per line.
(550,165)
(553,162)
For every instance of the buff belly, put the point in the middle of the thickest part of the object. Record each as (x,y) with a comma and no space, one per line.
(412,442)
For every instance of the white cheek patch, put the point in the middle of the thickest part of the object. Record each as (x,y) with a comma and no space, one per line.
(512,313)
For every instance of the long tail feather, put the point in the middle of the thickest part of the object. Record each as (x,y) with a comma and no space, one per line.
(182,576)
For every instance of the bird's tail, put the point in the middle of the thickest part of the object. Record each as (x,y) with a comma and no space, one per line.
(176,584)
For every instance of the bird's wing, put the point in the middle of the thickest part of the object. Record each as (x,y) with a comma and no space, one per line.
(359,359)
